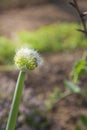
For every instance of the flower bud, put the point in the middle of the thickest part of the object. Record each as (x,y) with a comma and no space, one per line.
(27,59)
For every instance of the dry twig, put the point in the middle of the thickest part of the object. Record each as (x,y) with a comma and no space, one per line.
(81,15)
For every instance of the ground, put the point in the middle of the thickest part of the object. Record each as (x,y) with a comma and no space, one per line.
(42,81)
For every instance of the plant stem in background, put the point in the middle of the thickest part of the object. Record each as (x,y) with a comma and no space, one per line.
(65,95)
(81,15)
(16,100)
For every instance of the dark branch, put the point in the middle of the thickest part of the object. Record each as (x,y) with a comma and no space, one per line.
(81,15)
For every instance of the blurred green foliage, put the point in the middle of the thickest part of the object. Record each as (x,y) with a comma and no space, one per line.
(79,69)
(73,88)
(7,49)
(51,38)
(83,120)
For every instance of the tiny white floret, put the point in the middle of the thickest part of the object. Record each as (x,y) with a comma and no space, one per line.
(27,59)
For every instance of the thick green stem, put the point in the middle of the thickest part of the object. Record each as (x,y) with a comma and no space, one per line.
(16,100)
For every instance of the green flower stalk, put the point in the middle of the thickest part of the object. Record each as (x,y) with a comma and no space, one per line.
(25,59)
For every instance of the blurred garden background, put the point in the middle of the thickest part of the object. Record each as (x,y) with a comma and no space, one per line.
(50,27)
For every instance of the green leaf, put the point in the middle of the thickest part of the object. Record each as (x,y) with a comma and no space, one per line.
(79,69)
(78,128)
(48,106)
(58,92)
(84,93)
(52,98)
(73,88)
(83,119)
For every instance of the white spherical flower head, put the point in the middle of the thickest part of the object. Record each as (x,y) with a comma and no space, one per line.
(27,59)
